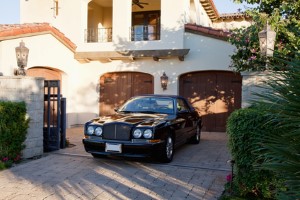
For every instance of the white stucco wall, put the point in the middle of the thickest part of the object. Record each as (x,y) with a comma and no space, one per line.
(231,25)
(73,22)
(197,15)
(81,81)
(71,18)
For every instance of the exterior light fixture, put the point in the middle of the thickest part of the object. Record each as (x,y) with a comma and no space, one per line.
(164,81)
(22,58)
(267,41)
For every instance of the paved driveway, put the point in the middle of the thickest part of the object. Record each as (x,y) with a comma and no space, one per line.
(197,172)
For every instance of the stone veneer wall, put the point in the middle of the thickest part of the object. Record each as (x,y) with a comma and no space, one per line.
(31,91)
(252,81)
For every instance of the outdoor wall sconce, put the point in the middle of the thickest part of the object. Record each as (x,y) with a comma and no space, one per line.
(267,41)
(164,81)
(22,58)
(55,8)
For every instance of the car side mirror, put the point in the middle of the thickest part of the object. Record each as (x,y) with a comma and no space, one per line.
(116,109)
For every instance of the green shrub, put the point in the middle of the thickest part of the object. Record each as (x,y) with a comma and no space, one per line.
(245,128)
(13,130)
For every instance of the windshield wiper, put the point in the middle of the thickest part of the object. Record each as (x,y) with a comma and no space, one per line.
(148,111)
(126,111)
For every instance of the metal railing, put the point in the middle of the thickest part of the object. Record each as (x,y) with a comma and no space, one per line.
(98,35)
(142,33)
(137,33)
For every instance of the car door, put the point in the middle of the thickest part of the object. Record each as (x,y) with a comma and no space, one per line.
(185,116)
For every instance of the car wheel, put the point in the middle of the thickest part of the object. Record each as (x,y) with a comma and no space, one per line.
(98,155)
(196,138)
(168,150)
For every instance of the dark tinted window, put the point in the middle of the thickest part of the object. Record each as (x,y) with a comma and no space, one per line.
(182,106)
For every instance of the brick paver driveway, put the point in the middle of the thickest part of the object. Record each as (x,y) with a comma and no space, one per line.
(197,172)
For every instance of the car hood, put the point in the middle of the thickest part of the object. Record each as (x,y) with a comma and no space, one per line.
(135,119)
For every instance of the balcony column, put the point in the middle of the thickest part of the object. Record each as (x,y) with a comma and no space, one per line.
(121,25)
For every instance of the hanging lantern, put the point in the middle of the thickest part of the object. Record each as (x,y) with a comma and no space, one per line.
(267,41)
(22,58)
(164,81)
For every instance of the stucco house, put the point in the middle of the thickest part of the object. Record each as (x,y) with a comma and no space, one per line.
(105,51)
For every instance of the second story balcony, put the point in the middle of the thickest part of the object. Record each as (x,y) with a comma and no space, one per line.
(137,33)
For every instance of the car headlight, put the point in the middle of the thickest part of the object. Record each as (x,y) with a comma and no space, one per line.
(148,133)
(137,133)
(90,130)
(98,131)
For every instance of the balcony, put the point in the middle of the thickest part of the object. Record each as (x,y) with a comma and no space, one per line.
(138,33)
(99,35)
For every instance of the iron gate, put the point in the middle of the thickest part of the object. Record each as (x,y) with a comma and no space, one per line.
(54,116)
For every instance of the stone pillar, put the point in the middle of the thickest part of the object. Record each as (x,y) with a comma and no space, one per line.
(252,83)
(31,91)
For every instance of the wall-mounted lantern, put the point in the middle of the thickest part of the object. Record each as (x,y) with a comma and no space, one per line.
(267,41)
(22,58)
(164,81)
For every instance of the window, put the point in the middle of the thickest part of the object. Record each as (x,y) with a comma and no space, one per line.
(182,106)
(145,26)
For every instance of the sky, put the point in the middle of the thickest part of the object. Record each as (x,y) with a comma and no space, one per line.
(9,9)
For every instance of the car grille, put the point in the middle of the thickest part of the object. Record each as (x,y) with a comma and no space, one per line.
(116,132)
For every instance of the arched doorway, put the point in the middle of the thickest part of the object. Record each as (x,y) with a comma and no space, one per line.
(54,126)
(215,94)
(117,87)
(47,73)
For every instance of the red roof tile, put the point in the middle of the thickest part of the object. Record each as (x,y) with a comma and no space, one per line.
(215,33)
(11,31)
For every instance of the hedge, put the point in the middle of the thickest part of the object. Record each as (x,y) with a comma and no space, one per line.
(245,128)
(13,129)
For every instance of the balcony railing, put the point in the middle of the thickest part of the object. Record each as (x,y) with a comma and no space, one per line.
(98,35)
(138,33)
(142,33)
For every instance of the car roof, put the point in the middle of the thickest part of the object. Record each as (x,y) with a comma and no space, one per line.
(159,95)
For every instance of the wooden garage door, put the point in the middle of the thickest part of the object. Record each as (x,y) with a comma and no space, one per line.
(215,94)
(117,87)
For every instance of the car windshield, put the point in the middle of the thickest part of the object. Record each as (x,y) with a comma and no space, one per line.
(163,105)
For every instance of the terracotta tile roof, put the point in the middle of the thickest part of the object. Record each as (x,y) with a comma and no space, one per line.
(11,31)
(234,16)
(207,31)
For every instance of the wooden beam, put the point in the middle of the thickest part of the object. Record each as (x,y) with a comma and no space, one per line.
(131,55)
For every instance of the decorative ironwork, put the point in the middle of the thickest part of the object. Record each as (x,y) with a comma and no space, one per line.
(98,35)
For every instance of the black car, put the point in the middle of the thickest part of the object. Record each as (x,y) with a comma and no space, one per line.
(148,125)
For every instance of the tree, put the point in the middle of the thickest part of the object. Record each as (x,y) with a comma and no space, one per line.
(284,18)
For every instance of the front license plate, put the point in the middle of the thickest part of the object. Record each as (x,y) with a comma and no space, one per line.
(109,147)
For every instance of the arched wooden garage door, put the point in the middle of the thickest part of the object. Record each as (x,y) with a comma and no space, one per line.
(117,87)
(215,94)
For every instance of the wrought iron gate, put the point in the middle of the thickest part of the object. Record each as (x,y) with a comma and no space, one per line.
(54,116)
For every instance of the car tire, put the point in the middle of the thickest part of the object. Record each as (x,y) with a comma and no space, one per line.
(197,137)
(98,155)
(167,151)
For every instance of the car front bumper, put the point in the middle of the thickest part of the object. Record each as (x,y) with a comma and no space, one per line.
(128,148)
